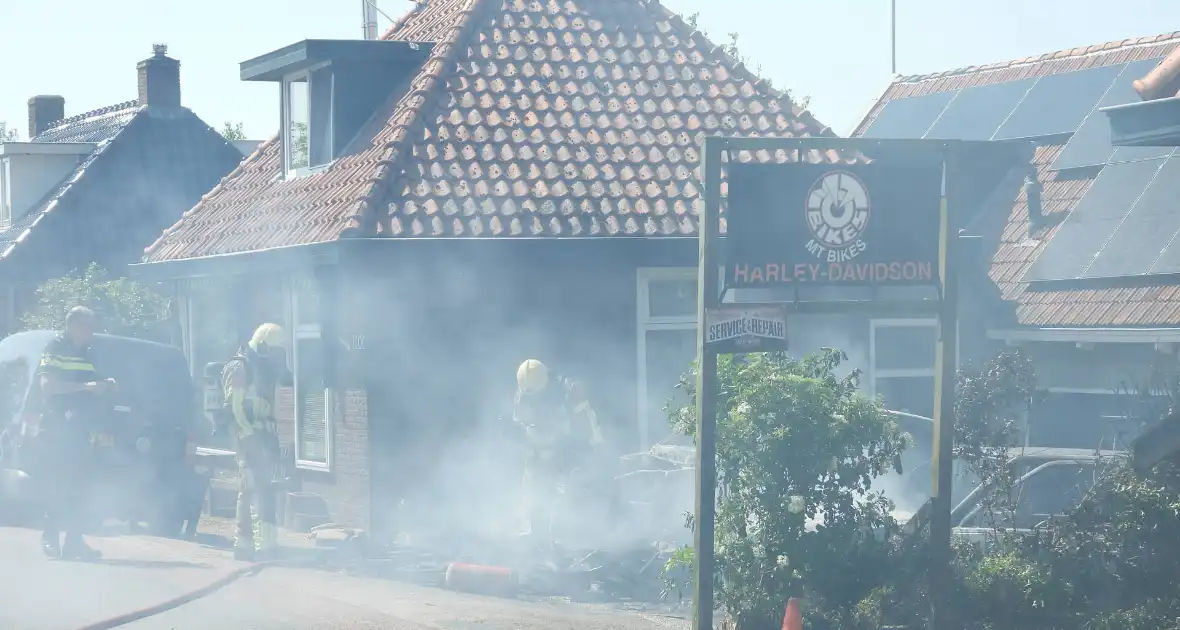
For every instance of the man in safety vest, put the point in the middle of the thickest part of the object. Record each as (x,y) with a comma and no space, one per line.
(70,387)
(248,382)
(561,430)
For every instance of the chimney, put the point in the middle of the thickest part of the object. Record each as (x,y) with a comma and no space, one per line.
(43,112)
(1032,195)
(159,79)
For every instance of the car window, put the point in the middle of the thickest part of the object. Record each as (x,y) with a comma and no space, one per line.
(1050,492)
(15,374)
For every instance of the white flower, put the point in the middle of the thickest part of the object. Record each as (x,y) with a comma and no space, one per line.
(796,505)
(742,408)
(783,562)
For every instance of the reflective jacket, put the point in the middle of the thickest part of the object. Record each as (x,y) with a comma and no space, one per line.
(67,362)
(553,420)
(249,388)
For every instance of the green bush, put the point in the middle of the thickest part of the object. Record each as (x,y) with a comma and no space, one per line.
(797,450)
(123,307)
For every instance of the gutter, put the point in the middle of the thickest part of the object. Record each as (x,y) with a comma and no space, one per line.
(1087,335)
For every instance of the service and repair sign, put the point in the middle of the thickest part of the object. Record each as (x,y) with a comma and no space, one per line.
(734,329)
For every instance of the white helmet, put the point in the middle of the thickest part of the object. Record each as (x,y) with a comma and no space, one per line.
(532,376)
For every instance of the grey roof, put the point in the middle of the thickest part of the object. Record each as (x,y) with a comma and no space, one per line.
(100,126)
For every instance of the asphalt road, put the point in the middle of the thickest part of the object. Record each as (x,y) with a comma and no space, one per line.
(37,593)
(306,599)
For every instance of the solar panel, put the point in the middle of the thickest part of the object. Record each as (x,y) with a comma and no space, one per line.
(1096,217)
(977,112)
(1090,144)
(1058,103)
(908,117)
(1071,250)
(1145,232)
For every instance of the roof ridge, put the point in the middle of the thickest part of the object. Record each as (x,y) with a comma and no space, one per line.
(101,111)
(424,88)
(1083,51)
(398,23)
(677,21)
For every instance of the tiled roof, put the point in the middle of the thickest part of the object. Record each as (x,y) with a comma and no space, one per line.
(1144,304)
(100,126)
(530,118)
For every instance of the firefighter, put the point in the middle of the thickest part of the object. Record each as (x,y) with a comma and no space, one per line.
(248,383)
(70,387)
(560,429)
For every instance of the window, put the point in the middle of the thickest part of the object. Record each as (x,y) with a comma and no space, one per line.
(313,398)
(307,106)
(667,336)
(901,363)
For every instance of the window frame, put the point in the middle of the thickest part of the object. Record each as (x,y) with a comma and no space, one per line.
(285,120)
(911,322)
(644,323)
(308,332)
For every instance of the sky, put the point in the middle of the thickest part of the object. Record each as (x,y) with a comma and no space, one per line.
(837,52)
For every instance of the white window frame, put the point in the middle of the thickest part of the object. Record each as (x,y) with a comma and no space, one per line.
(874,372)
(300,332)
(913,322)
(285,117)
(645,322)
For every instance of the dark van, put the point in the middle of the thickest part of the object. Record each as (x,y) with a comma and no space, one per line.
(143,438)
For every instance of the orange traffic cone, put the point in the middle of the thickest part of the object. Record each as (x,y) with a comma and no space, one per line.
(793,620)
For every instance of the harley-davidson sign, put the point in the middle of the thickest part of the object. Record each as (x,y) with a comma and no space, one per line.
(737,329)
(875,223)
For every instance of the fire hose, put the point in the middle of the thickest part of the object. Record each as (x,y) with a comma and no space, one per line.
(192,596)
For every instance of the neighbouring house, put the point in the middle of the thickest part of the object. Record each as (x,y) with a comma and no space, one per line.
(490,182)
(100,185)
(1082,256)
(1153,122)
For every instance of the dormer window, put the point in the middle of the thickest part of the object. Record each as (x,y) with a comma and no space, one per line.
(329,89)
(307,120)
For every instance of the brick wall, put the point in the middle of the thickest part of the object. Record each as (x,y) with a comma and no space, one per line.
(346,486)
(351,466)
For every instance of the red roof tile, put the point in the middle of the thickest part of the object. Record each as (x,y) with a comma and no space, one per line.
(530,118)
(1156,305)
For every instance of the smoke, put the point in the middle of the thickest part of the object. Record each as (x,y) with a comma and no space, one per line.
(453,460)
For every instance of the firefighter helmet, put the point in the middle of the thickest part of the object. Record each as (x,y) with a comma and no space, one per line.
(270,334)
(532,376)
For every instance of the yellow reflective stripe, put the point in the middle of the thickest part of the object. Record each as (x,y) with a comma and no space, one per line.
(63,364)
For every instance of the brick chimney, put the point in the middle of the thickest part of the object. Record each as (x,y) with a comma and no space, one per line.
(43,112)
(159,79)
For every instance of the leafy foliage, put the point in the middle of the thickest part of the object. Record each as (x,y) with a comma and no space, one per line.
(123,307)
(798,448)
(233,131)
(8,134)
(299,145)
(789,525)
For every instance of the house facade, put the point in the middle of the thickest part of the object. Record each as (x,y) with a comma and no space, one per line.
(1080,257)
(100,185)
(490,182)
